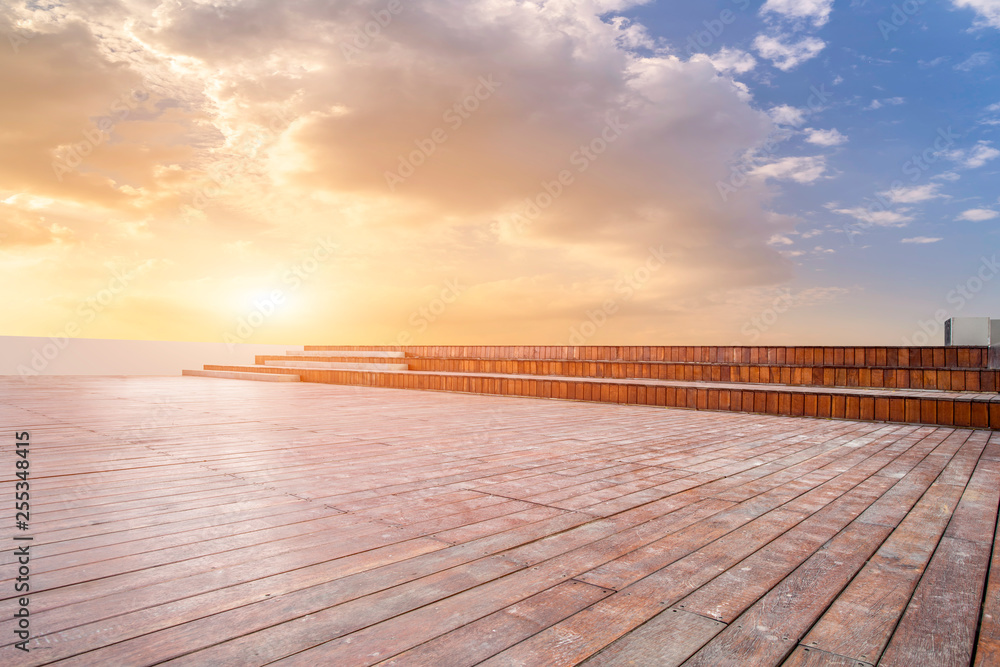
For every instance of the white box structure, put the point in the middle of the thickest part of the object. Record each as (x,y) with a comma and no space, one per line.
(971,331)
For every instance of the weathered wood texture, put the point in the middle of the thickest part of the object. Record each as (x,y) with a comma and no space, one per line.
(197,521)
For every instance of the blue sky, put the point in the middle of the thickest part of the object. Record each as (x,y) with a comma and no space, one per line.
(890,79)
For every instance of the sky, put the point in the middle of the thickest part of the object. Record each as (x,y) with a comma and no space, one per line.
(727,172)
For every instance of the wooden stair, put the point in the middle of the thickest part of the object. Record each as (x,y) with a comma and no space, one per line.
(949,386)
(243,375)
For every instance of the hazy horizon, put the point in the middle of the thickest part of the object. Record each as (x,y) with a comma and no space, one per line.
(28,356)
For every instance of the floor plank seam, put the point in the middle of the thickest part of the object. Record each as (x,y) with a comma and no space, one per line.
(854,661)
(982,602)
(888,536)
(530,502)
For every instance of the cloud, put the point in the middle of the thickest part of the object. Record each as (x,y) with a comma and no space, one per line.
(979,215)
(974,157)
(914,194)
(787,115)
(878,104)
(797,169)
(933,63)
(876,218)
(817,11)
(988,11)
(785,54)
(975,60)
(733,60)
(830,137)
(922,239)
(259,128)
(26,221)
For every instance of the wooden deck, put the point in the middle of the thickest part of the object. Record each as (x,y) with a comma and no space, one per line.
(195,521)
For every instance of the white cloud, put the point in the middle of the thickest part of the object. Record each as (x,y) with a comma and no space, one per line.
(787,115)
(922,239)
(947,176)
(974,157)
(878,104)
(981,154)
(797,169)
(733,60)
(913,195)
(830,137)
(988,10)
(876,218)
(779,239)
(979,215)
(933,63)
(975,60)
(784,54)
(817,11)
(993,107)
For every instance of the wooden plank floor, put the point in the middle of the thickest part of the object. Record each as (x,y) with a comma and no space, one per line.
(195,521)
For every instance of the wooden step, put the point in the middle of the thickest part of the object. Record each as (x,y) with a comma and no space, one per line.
(962,409)
(335,365)
(262,359)
(885,357)
(243,375)
(948,379)
(377,354)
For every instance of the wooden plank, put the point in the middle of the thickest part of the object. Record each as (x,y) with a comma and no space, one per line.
(862,619)
(940,622)
(769,631)
(666,640)
(376,642)
(803,656)
(988,646)
(731,593)
(476,641)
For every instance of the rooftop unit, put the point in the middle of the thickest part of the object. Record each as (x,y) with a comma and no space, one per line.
(972,331)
